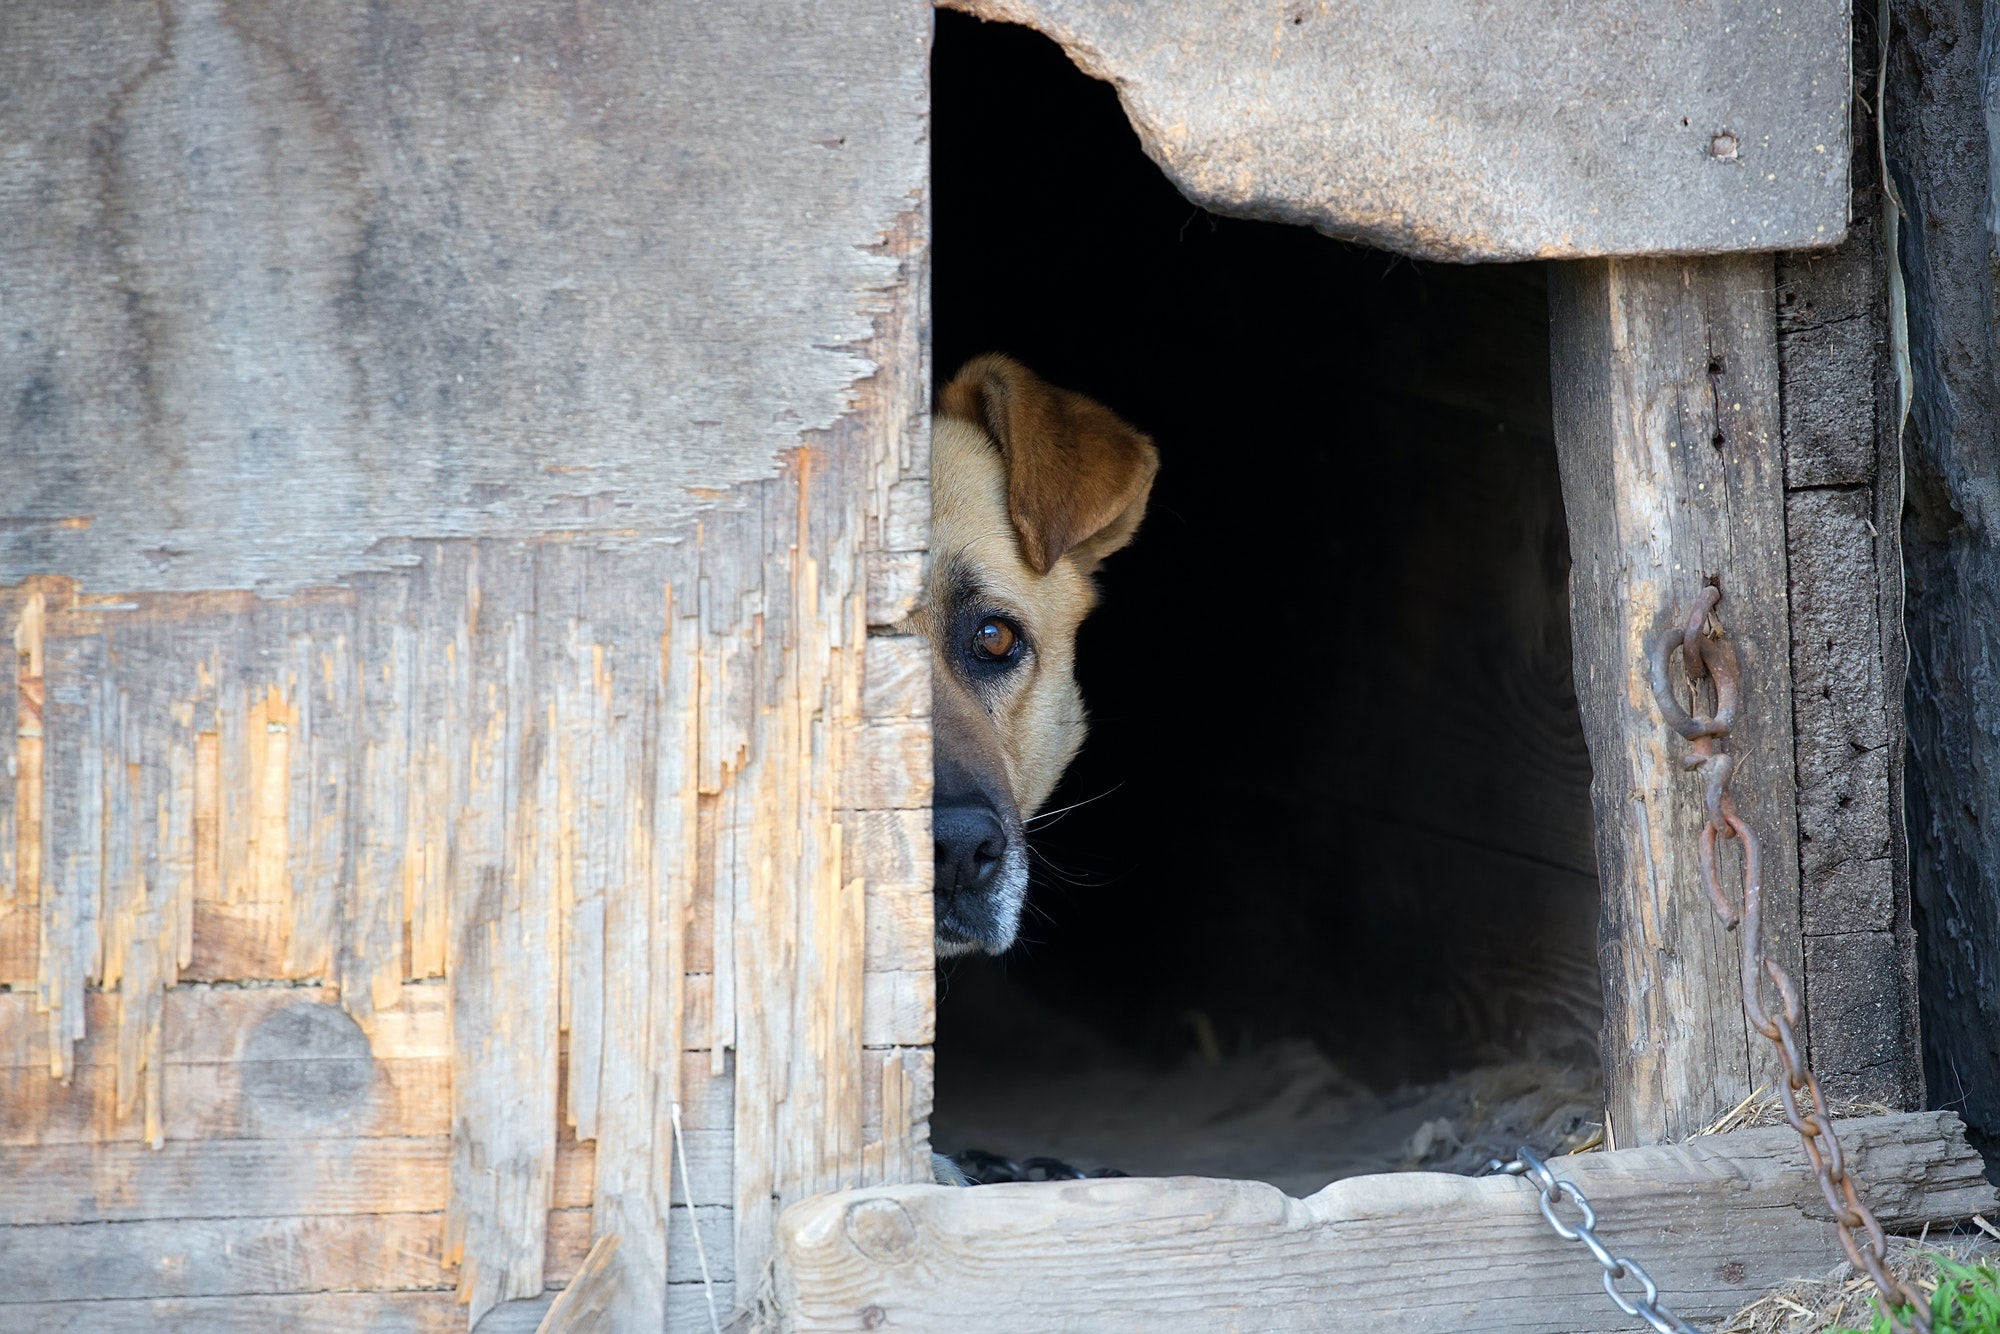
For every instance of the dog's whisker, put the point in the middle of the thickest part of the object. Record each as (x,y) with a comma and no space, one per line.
(1048,861)
(1030,906)
(1042,819)
(1061,873)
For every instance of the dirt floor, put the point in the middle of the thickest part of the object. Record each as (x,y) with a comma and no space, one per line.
(1028,1083)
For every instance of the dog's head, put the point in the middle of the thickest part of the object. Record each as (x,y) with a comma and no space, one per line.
(1032,486)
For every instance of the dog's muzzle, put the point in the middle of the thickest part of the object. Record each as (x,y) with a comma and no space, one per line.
(981,880)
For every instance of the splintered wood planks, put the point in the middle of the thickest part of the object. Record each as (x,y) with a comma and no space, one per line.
(467,457)
(1712,1221)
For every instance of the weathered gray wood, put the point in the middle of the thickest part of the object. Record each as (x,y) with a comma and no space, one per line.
(685,1304)
(312,1313)
(1460,131)
(1843,509)
(22,696)
(1939,112)
(248,1178)
(269,1063)
(461,449)
(1666,416)
(213,1257)
(204,1025)
(223,1179)
(502,959)
(1713,1221)
(1859,960)
(334,311)
(1843,742)
(585,1305)
(334,1095)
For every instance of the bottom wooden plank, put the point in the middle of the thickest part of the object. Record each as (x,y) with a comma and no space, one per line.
(202,1257)
(224,1257)
(104,1183)
(1715,1221)
(319,1313)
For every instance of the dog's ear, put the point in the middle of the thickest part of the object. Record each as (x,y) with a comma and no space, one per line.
(1077,476)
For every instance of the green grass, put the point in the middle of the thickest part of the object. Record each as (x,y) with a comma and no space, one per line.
(1967,1301)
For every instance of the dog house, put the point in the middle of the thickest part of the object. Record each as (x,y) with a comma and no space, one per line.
(463,804)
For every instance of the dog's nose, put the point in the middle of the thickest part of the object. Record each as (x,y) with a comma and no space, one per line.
(971,845)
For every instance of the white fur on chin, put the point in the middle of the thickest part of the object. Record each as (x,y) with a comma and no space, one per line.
(1008,897)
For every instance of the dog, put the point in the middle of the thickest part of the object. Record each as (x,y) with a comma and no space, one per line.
(1032,486)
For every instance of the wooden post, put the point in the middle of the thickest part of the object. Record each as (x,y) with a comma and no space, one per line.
(1666,418)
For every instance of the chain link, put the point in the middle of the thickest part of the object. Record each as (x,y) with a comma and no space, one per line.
(1707,655)
(1647,1304)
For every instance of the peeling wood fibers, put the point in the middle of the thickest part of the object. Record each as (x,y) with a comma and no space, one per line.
(471,613)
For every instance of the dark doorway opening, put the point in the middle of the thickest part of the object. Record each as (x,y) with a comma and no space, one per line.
(1327,900)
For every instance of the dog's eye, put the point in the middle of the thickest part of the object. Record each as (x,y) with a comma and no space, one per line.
(995,640)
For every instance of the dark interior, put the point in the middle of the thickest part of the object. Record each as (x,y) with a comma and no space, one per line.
(1326,899)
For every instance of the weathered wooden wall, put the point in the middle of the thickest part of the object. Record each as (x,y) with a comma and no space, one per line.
(1843,506)
(455,459)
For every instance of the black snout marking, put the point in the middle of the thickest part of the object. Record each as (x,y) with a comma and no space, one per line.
(973,911)
(971,844)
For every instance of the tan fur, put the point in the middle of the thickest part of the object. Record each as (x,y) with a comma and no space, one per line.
(1039,723)
(1032,486)
(1077,476)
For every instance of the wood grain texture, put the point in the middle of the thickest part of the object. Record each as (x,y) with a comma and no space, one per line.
(504,949)
(247,1178)
(312,1313)
(686,1308)
(1667,431)
(1843,740)
(215,1024)
(1843,510)
(585,1304)
(344,1094)
(331,312)
(71,1183)
(901,1009)
(211,1257)
(257,1063)
(1717,1221)
(460,481)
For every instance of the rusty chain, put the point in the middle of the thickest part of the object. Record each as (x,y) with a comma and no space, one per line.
(1707,654)
(1647,1305)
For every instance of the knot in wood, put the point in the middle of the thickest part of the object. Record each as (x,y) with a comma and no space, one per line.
(882,1230)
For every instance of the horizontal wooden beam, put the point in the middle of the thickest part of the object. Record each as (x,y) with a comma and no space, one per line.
(1715,1221)
(303,1313)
